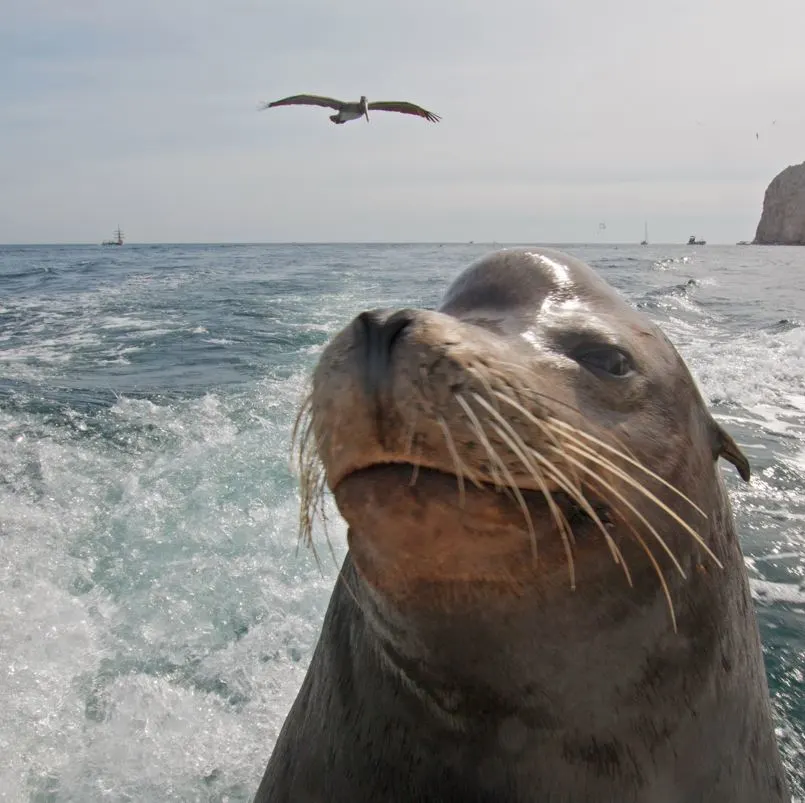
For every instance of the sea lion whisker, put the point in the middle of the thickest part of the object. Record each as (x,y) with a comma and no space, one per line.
(320,511)
(565,530)
(415,470)
(302,434)
(317,504)
(304,414)
(309,465)
(577,495)
(470,473)
(543,397)
(521,450)
(541,425)
(307,502)
(310,507)
(312,483)
(621,559)
(518,494)
(657,568)
(648,495)
(512,485)
(325,520)
(410,435)
(522,447)
(501,483)
(611,489)
(451,447)
(307,460)
(484,381)
(633,461)
(480,433)
(308,457)
(511,437)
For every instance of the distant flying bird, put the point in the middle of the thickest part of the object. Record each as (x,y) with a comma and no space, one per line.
(352,111)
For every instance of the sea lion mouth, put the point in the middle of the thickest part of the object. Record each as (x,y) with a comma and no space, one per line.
(410,523)
(540,502)
(418,473)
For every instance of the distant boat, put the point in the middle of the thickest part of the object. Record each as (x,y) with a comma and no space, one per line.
(693,241)
(118,238)
(743,242)
(644,241)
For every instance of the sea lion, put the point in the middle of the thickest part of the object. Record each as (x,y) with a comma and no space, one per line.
(544,598)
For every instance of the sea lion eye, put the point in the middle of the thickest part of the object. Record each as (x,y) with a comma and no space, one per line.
(604,359)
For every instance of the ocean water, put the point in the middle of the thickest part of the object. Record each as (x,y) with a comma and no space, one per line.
(156,615)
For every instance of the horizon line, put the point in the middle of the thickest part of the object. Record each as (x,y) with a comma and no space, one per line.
(547,243)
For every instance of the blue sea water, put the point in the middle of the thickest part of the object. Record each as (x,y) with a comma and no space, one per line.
(156,615)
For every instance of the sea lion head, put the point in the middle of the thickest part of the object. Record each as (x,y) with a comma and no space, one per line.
(534,435)
(531,606)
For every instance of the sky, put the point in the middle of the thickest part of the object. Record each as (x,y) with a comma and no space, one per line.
(556,117)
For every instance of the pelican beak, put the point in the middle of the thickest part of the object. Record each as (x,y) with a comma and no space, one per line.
(366,114)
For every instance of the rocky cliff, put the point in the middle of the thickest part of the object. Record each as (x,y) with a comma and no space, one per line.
(783,219)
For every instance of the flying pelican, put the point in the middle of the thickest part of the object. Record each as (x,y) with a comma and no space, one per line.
(352,111)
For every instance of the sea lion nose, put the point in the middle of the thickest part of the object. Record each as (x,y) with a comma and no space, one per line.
(380,331)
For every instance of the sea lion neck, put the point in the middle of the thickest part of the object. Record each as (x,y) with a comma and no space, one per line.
(471,657)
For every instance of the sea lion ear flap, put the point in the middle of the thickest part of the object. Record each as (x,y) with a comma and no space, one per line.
(724,446)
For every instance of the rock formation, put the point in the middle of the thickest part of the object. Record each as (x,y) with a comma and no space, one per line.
(782,221)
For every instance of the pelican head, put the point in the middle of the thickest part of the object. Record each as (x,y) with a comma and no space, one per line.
(364,107)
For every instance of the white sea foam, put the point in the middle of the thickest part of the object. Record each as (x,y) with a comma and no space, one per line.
(766,591)
(122,582)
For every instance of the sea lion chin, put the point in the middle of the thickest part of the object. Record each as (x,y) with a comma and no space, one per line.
(544,597)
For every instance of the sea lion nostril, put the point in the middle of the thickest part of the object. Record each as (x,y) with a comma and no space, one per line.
(396,325)
(373,319)
(380,332)
(379,325)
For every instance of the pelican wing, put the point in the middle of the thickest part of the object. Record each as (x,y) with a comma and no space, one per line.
(304,100)
(405,108)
